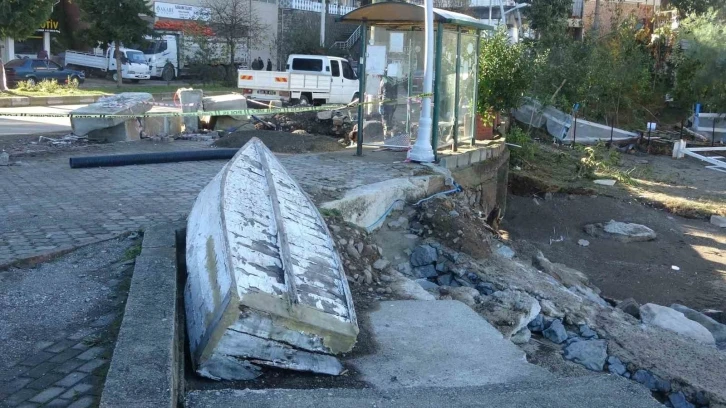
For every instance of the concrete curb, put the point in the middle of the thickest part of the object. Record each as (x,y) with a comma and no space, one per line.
(19,101)
(147,363)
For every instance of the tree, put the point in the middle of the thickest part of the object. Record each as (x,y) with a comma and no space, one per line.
(548,17)
(117,22)
(686,7)
(700,62)
(233,21)
(19,19)
(504,74)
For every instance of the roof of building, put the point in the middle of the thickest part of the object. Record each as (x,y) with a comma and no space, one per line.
(407,14)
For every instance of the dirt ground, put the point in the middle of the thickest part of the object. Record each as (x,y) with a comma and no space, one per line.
(282,142)
(642,270)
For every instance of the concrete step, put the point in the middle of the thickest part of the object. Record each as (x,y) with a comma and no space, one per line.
(606,391)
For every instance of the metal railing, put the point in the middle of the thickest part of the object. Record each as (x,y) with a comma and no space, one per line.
(348,44)
(315,6)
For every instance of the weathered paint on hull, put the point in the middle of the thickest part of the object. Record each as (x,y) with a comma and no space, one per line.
(265,284)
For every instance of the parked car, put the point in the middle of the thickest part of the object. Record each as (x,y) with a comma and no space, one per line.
(36,70)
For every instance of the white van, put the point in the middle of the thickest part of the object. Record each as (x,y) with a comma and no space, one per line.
(308,79)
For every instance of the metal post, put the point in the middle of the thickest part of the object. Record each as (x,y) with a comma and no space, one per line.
(361,85)
(421,150)
(682,124)
(456,89)
(574,129)
(648,137)
(437,91)
(612,129)
(322,24)
(713,132)
(474,103)
(410,82)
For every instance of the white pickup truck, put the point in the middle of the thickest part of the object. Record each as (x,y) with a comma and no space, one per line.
(133,64)
(309,79)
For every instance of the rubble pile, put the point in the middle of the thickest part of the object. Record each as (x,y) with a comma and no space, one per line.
(459,256)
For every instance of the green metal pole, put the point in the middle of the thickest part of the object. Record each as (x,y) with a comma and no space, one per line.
(437,85)
(456,89)
(361,85)
(474,107)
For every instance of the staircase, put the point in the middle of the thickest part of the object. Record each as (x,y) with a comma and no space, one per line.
(442,354)
(349,42)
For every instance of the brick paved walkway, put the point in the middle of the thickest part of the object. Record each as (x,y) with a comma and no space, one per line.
(46,206)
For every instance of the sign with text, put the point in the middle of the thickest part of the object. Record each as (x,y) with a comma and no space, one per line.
(50,26)
(180,11)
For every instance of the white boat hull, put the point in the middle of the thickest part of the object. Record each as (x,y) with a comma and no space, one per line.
(265,285)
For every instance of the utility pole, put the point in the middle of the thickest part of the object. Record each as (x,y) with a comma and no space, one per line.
(422,151)
(322,24)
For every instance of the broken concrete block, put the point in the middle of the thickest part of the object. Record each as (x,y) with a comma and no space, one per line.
(621,231)
(127,103)
(162,125)
(226,103)
(718,221)
(191,100)
(675,321)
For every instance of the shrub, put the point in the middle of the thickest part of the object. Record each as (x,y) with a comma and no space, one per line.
(525,152)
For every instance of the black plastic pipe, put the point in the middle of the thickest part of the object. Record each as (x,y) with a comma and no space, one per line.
(151,158)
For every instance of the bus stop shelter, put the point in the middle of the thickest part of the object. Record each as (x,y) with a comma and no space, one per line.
(392,45)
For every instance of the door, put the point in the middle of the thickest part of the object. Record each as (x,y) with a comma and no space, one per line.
(56,72)
(350,81)
(40,69)
(336,84)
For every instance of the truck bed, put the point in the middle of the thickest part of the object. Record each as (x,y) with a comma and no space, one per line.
(86,59)
(282,81)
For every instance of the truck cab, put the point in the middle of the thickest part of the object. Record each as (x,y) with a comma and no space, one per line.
(162,55)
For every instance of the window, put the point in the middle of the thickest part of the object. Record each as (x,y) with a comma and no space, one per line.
(53,65)
(15,63)
(307,64)
(348,72)
(334,68)
(39,64)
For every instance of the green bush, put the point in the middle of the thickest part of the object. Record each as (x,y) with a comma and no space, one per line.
(48,86)
(519,156)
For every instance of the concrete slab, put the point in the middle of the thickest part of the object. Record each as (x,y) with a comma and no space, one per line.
(127,103)
(191,100)
(440,344)
(606,391)
(225,102)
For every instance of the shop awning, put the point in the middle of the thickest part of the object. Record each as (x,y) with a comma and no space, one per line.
(407,14)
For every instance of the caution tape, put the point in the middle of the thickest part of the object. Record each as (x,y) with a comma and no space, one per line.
(233,112)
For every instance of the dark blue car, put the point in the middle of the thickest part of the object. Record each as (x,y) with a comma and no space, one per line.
(36,70)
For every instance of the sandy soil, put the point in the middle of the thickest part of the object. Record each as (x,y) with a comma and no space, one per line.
(640,270)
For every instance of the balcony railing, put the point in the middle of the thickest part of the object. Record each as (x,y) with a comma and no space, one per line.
(315,6)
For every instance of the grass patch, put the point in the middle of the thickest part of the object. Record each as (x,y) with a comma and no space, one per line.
(330,212)
(563,169)
(132,252)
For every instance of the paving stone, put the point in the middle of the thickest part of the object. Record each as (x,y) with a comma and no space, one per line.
(28,405)
(47,395)
(91,353)
(20,396)
(69,366)
(71,379)
(60,346)
(36,359)
(45,381)
(83,402)
(66,355)
(77,390)
(57,403)
(144,193)
(41,369)
(14,385)
(92,365)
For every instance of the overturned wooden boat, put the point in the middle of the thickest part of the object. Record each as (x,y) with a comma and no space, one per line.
(265,285)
